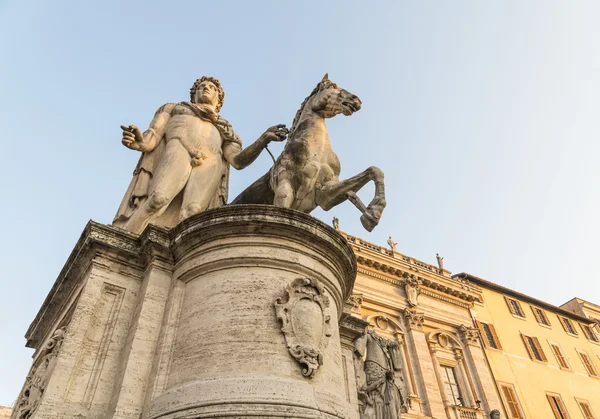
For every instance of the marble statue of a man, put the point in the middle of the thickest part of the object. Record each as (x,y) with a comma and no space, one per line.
(186,153)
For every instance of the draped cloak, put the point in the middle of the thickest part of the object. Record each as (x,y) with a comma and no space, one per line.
(140,186)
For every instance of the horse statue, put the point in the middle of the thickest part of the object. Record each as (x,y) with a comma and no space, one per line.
(306,174)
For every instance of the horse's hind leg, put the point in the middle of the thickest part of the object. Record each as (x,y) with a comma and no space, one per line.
(284,194)
(334,193)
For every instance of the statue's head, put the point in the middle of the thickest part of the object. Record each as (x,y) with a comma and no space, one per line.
(329,100)
(495,414)
(208,90)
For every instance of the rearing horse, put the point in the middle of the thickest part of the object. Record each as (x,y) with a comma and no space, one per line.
(306,174)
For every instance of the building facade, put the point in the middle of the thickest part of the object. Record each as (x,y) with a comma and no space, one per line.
(424,315)
(545,359)
(130,329)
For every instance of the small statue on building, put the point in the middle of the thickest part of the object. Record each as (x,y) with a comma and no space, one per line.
(392,244)
(412,288)
(336,223)
(381,389)
(495,414)
(440,261)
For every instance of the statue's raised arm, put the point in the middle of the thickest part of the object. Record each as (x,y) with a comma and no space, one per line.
(186,153)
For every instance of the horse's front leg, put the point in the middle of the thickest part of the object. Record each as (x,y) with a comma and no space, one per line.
(334,193)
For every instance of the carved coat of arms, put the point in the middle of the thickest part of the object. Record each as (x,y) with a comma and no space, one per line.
(305,322)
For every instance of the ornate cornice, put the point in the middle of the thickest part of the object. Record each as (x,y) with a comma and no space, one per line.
(457,292)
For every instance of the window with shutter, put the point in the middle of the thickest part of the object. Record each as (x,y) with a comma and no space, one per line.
(586,409)
(534,349)
(568,326)
(587,363)
(514,307)
(560,356)
(488,333)
(540,316)
(558,407)
(589,333)
(512,403)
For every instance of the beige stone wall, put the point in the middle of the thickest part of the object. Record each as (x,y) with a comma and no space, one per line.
(183,323)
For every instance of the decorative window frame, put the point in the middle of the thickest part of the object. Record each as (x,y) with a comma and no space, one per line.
(501,384)
(447,350)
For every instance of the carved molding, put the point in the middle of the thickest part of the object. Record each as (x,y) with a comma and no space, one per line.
(37,379)
(455,287)
(356,300)
(469,335)
(414,319)
(305,322)
(443,339)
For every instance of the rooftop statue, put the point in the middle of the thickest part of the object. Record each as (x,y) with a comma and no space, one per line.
(186,153)
(306,174)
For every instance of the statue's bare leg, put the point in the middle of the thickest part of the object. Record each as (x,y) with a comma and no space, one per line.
(170,178)
(203,184)
(334,193)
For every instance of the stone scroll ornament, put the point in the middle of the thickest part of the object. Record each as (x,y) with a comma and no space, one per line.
(38,377)
(305,322)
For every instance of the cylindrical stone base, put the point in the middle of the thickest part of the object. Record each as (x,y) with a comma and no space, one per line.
(231,357)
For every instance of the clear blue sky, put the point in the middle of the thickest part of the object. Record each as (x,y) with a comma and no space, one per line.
(483,115)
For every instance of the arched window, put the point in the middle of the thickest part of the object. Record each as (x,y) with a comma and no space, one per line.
(452,372)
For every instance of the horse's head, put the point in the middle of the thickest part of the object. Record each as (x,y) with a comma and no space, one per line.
(330,100)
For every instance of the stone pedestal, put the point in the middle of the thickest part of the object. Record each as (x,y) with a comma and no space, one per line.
(233,313)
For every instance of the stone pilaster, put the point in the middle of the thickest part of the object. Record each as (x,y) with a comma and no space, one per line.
(482,377)
(142,341)
(423,365)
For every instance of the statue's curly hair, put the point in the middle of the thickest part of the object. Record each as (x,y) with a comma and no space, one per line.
(213,81)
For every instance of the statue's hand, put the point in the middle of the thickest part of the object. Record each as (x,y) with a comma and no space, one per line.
(276,133)
(132,138)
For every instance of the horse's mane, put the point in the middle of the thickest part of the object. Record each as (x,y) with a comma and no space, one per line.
(297,117)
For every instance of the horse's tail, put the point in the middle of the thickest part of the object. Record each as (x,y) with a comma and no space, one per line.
(260,192)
